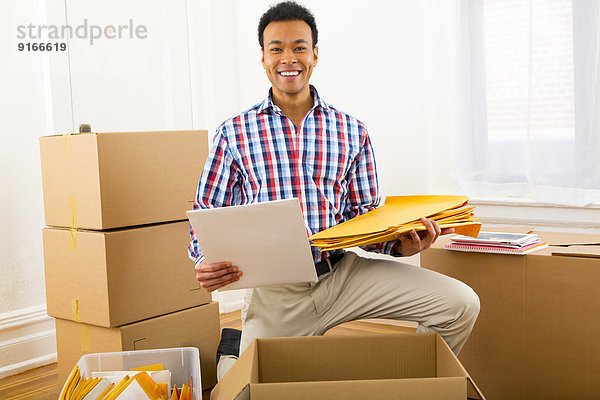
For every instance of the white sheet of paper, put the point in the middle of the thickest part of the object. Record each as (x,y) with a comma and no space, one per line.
(266,241)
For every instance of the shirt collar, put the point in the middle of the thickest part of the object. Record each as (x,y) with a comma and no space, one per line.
(318,102)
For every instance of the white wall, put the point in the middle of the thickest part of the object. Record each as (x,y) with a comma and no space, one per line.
(23,118)
(377,61)
(116,85)
(386,62)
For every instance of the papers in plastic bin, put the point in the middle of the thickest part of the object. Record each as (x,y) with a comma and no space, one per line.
(266,241)
(115,377)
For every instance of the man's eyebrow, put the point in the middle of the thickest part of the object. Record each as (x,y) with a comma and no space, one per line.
(280,42)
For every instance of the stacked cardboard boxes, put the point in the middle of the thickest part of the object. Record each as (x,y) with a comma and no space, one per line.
(117,273)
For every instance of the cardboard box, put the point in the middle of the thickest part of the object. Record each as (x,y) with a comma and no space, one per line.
(412,365)
(195,327)
(118,179)
(536,335)
(112,278)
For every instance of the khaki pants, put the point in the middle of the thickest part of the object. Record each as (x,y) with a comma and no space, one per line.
(359,288)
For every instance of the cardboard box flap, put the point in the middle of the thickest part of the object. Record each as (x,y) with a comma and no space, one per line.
(508,228)
(473,392)
(590,251)
(565,239)
(414,389)
(571,244)
(449,366)
(372,357)
(243,372)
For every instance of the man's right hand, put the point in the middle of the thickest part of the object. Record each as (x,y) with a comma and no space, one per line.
(217,275)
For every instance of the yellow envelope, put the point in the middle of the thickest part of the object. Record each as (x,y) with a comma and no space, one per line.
(398,215)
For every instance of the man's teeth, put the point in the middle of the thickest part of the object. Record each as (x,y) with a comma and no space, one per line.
(289,73)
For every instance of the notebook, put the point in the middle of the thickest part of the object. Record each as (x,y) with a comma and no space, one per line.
(498,239)
(267,241)
(497,243)
(475,248)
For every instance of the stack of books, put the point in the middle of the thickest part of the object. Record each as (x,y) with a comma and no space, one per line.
(497,242)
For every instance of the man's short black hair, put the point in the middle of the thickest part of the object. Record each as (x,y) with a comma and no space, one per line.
(287,11)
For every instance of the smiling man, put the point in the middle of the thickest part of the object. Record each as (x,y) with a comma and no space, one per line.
(288,57)
(294,144)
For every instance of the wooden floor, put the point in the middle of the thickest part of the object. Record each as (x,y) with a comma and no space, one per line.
(42,383)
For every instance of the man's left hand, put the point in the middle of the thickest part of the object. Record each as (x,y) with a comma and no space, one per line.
(414,242)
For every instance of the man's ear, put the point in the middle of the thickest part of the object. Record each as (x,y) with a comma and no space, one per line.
(316,55)
(262,57)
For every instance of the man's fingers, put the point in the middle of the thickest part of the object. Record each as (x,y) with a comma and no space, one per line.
(202,276)
(429,225)
(205,267)
(415,238)
(221,281)
(447,231)
(437,229)
(215,284)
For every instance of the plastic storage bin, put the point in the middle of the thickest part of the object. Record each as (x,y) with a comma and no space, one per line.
(183,362)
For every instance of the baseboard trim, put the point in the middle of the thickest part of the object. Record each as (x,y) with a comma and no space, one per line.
(27,365)
(23,317)
(27,340)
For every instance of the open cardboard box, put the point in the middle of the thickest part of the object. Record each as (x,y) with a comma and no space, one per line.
(536,334)
(413,365)
(117,179)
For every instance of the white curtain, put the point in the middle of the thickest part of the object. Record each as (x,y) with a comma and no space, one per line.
(529,100)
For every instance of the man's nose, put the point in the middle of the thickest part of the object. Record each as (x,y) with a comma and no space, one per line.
(288,57)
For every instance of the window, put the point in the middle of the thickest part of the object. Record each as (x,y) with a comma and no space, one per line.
(529,139)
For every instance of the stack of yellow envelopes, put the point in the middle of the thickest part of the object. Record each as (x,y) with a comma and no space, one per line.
(151,382)
(399,215)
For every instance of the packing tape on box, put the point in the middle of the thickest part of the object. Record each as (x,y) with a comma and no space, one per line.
(85,329)
(73,212)
(72,222)
(85,338)
(75,310)
(72,239)
(65,146)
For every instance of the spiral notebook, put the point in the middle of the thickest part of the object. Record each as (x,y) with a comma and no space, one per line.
(497,243)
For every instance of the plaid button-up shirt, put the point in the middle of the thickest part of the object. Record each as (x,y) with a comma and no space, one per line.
(327,163)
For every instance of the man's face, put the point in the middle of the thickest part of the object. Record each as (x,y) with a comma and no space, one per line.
(288,56)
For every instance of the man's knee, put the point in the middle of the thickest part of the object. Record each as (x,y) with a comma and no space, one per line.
(464,303)
(470,304)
